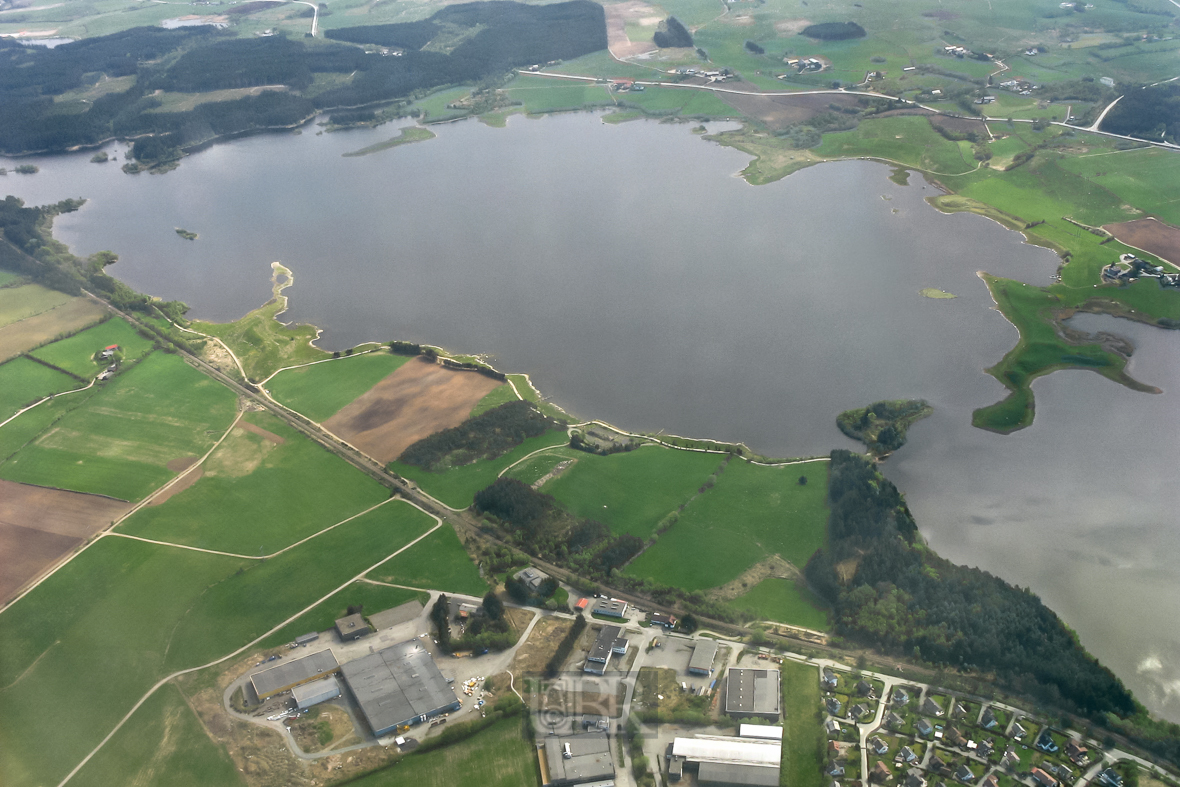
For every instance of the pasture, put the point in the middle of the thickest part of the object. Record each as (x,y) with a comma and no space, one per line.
(533,469)
(1145,178)
(27,300)
(545,94)
(456,487)
(373,598)
(17,433)
(260,491)
(501,394)
(162,745)
(784,601)
(120,443)
(23,382)
(631,492)
(906,140)
(76,354)
(320,391)
(751,512)
(803,733)
(437,562)
(499,756)
(74,315)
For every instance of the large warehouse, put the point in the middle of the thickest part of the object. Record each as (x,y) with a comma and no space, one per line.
(577,759)
(399,685)
(753,693)
(270,682)
(723,760)
(703,654)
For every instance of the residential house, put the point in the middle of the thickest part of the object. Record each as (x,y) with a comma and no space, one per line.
(1111,778)
(932,708)
(857,710)
(985,749)
(833,705)
(988,720)
(1045,742)
(880,772)
(961,709)
(900,697)
(1011,758)
(937,765)
(836,769)
(914,779)
(964,774)
(865,689)
(924,728)
(893,720)
(878,746)
(1018,731)
(991,781)
(908,754)
(832,726)
(1043,779)
(660,619)
(955,737)
(828,678)
(1077,753)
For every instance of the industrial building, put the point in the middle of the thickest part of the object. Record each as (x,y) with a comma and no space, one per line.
(396,616)
(352,627)
(610,642)
(611,607)
(703,654)
(275,680)
(723,760)
(753,693)
(397,686)
(764,731)
(316,692)
(576,759)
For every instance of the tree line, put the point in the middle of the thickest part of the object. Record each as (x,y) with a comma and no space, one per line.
(488,435)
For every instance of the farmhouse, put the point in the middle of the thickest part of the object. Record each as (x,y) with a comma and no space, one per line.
(753,692)
(398,686)
(576,759)
(352,627)
(703,654)
(724,760)
(316,692)
(610,640)
(275,680)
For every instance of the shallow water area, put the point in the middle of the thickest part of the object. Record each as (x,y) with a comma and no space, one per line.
(639,281)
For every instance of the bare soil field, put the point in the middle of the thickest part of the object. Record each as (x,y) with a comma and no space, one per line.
(72,316)
(182,483)
(618,43)
(417,400)
(37,526)
(264,434)
(1151,235)
(535,652)
(778,112)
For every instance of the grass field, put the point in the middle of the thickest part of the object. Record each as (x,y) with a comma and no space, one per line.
(679,101)
(320,391)
(545,94)
(498,756)
(906,140)
(750,513)
(437,562)
(23,382)
(18,303)
(533,469)
(1144,178)
(457,486)
(162,745)
(498,396)
(8,278)
(374,598)
(803,733)
(631,492)
(17,433)
(76,354)
(73,315)
(784,601)
(258,497)
(159,410)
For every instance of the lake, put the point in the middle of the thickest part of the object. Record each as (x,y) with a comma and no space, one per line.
(637,280)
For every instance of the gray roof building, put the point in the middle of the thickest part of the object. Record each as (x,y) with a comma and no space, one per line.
(611,607)
(316,692)
(352,627)
(589,759)
(703,654)
(278,679)
(602,648)
(734,761)
(396,616)
(532,578)
(753,692)
(398,685)
(737,773)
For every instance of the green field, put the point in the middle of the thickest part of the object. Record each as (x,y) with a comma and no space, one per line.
(457,486)
(803,732)
(751,513)
(17,433)
(17,303)
(545,94)
(631,492)
(784,601)
(264,345)
(499,756)
(906,140)
(320,391)
(162,745)
(499,395)
(373,598)
(679,101)
(437,562)
(159,410)
(1144,178)
(258,497)
(76,354)
(8,278)
(23,382)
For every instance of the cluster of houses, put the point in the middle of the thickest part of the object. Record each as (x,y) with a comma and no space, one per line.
(718,75)
(960,52)
(1020,86)
(804,65)
(626,86)
(108,354)
(985,100)
(1137,268)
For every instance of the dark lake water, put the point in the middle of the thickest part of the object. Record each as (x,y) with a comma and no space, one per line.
(637,280)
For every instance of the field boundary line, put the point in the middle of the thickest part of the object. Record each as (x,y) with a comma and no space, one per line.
(46,399)
(316,534)
(322,360)
(437,524)
(105,531)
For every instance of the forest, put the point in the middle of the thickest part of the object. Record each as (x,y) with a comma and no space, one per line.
(492,38)
(834,31)
(672,33)
(891,592)
(882,426)
(486,436)
(1151,113)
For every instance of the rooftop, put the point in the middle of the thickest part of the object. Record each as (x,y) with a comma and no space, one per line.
(589,759)
(733,751)
(761,731)
(702,656)
(291,673)
(752,691)
(396,616)
(397,685)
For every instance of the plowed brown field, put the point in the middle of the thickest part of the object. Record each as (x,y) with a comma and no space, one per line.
(417,400)
(1154,237)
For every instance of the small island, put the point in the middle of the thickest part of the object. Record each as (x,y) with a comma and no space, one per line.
(100,157)
(934,292)
(186,234)
(882,426)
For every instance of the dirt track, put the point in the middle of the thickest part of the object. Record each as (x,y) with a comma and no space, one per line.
(1154,237)
(37,526)
(417,400)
